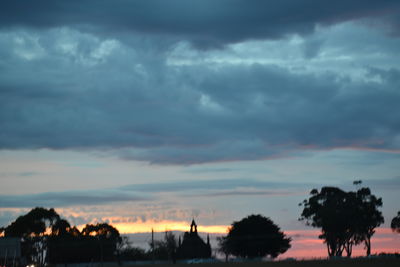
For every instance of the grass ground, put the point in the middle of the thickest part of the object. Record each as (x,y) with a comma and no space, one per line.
(372,262)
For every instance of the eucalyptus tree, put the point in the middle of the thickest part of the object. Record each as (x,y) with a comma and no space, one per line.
(32,228)
(345,218)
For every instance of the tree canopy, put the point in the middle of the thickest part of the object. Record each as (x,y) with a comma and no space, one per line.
(395,224)
(345,218)
(255,236)
(34,223)
(46,237)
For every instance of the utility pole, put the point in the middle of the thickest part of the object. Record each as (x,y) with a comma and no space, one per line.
(15,255)
(5,258)
(152,243)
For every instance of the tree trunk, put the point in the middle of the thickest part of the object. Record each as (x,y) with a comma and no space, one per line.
(334,249)
(330,251)
(368,245)
(349,248)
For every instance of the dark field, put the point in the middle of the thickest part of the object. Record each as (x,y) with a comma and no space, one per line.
(386,262)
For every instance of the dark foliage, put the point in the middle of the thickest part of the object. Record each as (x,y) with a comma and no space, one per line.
(395,224)
(223,247)
(133,254)
(345,218)
(165,249)
(34,223)
(97,242)
(255,236)
(31,228)
(46,238)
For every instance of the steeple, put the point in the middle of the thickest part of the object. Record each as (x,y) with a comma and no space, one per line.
(208,239)
(193,227)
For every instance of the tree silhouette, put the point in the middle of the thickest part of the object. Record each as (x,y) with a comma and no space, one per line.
(366,216)
(395,224)
(34,223)
(102,230)
(127,252)
(61,228)
(255,236)
(324,210)
(98,242)
(164,249)
(223,246)
(106,236)
(171,245)
(345,218)
(45,237)
(31,228)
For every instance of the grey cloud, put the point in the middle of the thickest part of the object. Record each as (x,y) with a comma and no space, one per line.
(312,47)
(146,193)
(219,185)
(209,170)
(24,174)
(206,23)
(243,193)
(64,199)
(20,174)
(84,92)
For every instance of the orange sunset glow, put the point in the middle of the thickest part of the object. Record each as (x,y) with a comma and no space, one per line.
(305,243)
(162,226)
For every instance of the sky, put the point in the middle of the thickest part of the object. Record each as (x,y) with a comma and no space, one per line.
(146,114)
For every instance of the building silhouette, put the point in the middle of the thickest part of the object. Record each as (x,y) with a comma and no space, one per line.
(193,246)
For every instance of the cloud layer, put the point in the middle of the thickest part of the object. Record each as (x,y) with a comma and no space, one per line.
(206,23)
(131,80)
(150,192)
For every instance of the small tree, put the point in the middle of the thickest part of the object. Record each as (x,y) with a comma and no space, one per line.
(223,246)
(255,236)
(395,224)
(171,245)
(164,249)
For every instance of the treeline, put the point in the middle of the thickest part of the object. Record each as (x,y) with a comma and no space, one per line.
(345,218)
(47,238)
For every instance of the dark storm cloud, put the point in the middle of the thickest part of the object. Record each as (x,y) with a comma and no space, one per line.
(204,22)
(135,105)
(267,111)
(62,88)
(65,199)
